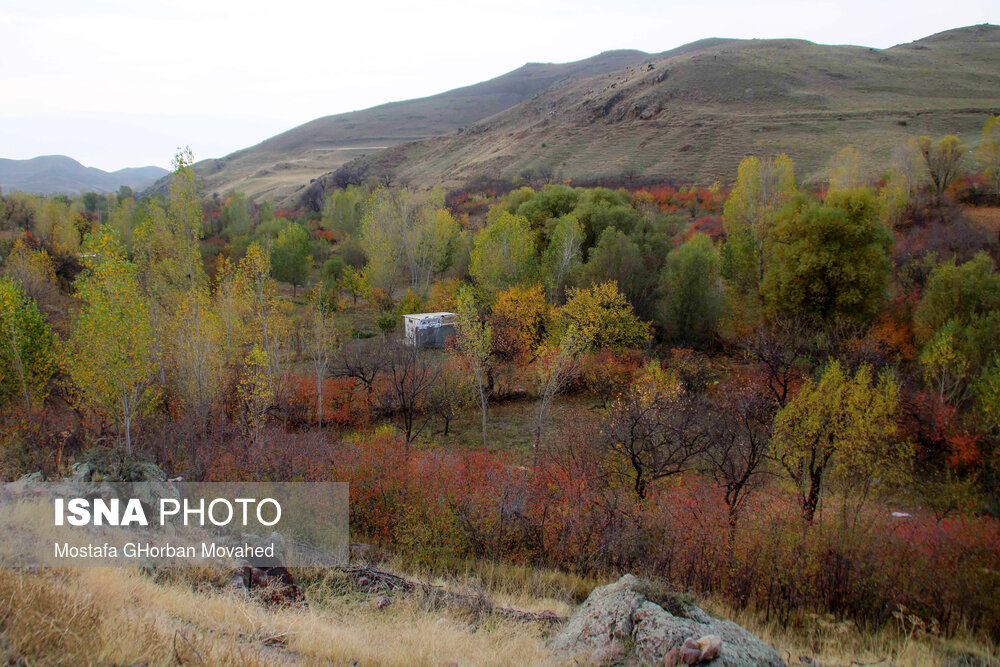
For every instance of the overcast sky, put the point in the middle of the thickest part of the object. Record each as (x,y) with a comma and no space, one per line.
(116,83)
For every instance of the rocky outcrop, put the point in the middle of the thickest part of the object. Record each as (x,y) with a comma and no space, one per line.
(627,623)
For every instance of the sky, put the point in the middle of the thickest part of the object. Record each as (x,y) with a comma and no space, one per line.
(123,83)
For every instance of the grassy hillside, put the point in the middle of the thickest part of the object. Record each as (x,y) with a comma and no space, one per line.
(694,115)
(280,165)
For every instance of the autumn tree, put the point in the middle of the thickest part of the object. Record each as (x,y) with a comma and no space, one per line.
(194,346)
(291,258)
(845,169)
(110,352)
(520,319)
(690,285)
(474,343)
(231,304)
(603,317)
(343,210)
(504,253)
(322,338)
(553,369)
(829,260)
(32,268)
(27,361)
(762,188)
(255,392)
(452,391)
(988,153)
(354,283)
(942,159)
(618,258)
(653,430)
(266,321)
(839,426)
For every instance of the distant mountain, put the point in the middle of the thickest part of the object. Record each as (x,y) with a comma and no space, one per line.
(49,174)
(694,115)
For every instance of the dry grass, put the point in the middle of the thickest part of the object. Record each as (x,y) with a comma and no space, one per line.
(102,616)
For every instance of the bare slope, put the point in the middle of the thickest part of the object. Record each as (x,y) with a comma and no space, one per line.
(280,165)
(694,115)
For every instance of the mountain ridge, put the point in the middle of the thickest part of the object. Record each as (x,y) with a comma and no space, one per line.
(50,174)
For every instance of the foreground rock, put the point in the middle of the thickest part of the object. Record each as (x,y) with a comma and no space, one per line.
(620,624)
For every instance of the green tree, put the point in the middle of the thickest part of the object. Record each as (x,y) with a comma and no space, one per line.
(841,427)
(110,353)
(236,216)
(504,253)
(957,291)
(562,256)
(617,257)
(762,188)
(291,259)
(829,260)
(343,210)
(26,358)
(691,290)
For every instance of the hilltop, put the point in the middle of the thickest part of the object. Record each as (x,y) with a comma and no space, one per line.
(694,115)
(57,173)
(279,166)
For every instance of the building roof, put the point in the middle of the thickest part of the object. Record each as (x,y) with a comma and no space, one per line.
(424,316)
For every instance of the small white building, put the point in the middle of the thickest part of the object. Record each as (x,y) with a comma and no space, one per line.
(430,329)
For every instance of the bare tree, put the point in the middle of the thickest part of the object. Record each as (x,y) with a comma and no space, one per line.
(742,414)
(658,432)
(781,347)
(362,361)
(410,376)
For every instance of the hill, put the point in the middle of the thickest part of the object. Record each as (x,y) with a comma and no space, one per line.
(57,173)
(279,166)
(695,114)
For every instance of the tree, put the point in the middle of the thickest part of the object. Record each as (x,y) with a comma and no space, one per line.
(839,426)
(387,220)
(322,338)
(110,353)
(26,356)
(603,317)
(845,169)
(988,153)
(829,260)
(194,349)
(256,390)
(504,253)
(410,375)
(474,344)
(452,391)
(519,320)
(231,298)
(743,411)
(762,188)
(353,282)
(236,216)
(553,370)
(942,160)
(617,257)
(343,210)
(562,256)
(291,259)
(435,242)
(653,429)
(690,286)
(32,268)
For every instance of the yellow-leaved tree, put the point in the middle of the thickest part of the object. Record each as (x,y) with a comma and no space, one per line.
(110,353)
(840,427)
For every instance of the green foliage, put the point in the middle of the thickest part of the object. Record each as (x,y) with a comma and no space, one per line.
(829,260)
(110,353)
(26,357)
(236,216)
(601,208)
(762,188)
(617,257)
(957,291)
(561,258)
(690,285)
(291,259)
(343,210)
(504,253)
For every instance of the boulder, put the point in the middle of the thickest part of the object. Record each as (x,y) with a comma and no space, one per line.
(664,631)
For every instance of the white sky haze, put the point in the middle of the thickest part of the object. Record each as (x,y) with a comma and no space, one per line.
(117,83)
